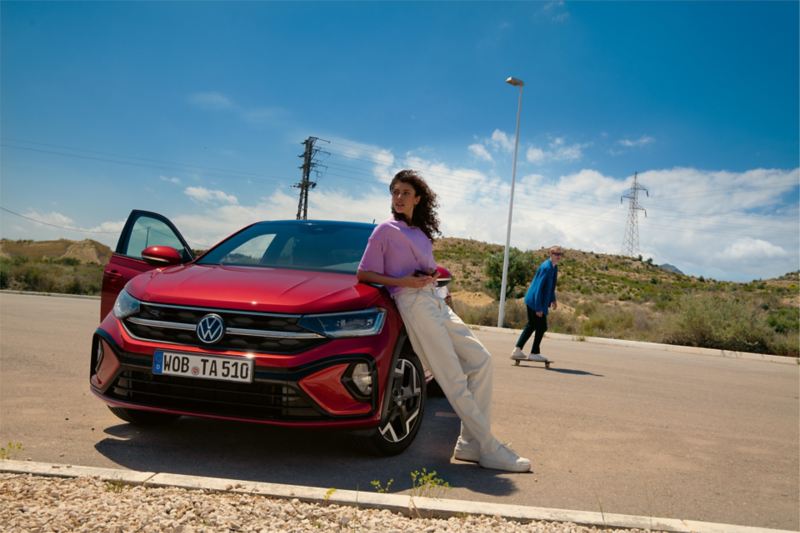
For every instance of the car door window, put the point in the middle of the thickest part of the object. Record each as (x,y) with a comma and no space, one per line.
(148,231)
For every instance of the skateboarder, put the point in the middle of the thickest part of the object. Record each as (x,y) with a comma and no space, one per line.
(540,297)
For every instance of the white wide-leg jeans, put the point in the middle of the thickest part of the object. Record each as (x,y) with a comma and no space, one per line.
(457,359)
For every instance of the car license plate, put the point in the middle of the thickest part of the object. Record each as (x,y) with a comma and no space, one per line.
(221,368)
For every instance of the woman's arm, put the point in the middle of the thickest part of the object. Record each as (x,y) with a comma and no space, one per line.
(416,282)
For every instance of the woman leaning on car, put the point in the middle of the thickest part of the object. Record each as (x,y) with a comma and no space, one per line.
(399,255)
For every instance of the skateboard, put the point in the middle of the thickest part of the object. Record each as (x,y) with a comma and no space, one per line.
(546,363)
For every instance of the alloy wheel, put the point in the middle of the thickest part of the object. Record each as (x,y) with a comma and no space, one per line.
(405,402)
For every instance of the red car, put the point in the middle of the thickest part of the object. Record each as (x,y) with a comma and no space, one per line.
(268,326)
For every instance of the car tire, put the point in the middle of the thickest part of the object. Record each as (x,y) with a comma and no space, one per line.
(406,406)
(143,418)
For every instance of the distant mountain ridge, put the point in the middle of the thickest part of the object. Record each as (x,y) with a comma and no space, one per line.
(670,268)
(86,251)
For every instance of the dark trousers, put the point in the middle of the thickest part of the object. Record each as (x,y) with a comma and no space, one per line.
(536,325)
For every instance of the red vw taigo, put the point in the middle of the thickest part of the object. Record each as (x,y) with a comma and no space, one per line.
(268,326)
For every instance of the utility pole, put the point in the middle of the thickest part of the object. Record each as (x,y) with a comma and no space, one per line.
(630,244)
(308,165)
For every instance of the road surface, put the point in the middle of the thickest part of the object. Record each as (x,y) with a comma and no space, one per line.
(617,429)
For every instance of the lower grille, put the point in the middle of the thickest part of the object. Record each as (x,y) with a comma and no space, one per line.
(259,400)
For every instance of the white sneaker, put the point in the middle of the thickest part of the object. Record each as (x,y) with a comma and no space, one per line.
(538,357)
(504,458)
(518,355)
(466,450)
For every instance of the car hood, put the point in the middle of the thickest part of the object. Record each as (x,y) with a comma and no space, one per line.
(271,290)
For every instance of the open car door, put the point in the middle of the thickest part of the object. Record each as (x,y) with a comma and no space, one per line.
(143,230)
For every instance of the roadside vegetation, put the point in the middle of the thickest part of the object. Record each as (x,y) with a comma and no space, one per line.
(599,295)
(602,295)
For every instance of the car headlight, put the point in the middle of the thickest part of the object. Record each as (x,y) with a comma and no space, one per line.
(351,324)
(126,305)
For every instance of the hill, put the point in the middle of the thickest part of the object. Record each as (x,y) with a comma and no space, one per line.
(600,295)
(85,251)
(74,267)
(614,296)
(670,268)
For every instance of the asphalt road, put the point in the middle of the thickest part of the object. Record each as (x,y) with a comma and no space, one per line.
(613,429)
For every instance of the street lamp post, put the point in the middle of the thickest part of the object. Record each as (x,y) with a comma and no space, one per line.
(501,313)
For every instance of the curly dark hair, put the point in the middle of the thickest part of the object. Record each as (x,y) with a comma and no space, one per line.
(424,217)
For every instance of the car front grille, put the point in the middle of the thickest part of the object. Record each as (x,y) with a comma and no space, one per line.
(260,400)
(244,331)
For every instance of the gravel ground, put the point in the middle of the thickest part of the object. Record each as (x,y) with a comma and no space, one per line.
(38,503)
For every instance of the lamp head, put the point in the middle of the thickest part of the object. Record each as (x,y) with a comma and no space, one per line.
(514,81)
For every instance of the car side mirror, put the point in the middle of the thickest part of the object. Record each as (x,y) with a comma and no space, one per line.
(161,256)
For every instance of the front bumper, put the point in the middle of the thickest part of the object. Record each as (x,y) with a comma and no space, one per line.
(310,390)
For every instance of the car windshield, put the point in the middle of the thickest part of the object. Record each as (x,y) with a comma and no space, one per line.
(301,245)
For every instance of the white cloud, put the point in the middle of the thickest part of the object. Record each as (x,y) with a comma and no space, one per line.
(36,225)
(170,179)
(215,101)
(748,248)
(480,151)
(720,224)
(500,140)
(53,217)
(203,195)
(535,155)
(557,150)
(634,143)
(381,158)
(556,10)
(211,100)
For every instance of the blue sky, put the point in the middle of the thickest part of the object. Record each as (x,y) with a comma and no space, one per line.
(198,111)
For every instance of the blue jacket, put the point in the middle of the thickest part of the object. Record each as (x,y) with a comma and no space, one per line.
(542,291)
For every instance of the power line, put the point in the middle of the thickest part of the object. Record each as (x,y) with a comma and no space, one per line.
(79,230)
(82,230)
(154,163)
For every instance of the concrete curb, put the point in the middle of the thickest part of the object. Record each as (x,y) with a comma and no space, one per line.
(61,294)
(782,359)
(400,503)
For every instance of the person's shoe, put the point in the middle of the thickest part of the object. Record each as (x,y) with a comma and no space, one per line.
(518,355)
(466,450)
(504,458)
(538,357)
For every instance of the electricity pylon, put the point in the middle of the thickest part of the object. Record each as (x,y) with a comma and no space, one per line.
(305,184)
(630,245)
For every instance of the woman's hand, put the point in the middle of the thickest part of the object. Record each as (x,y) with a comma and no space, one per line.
(414,282)
(417,282)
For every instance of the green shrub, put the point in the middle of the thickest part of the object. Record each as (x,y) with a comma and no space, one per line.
(727,323)
(520,272)
(784,320)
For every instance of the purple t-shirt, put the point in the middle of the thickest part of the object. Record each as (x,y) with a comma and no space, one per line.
(397,250)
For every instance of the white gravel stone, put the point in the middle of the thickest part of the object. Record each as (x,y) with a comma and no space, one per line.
(38,503)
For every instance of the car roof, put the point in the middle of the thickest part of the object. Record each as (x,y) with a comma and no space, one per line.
(319,223)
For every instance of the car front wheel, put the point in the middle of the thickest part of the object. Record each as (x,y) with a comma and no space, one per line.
(406,405)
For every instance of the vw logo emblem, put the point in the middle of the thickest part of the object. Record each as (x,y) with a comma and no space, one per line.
(210,328)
